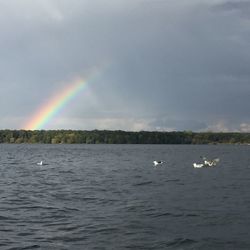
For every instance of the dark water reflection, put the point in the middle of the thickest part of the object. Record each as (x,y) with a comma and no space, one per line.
(111,197)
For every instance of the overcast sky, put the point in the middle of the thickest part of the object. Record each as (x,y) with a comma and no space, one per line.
(162,64)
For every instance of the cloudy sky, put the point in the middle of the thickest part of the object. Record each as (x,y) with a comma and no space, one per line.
(161,64)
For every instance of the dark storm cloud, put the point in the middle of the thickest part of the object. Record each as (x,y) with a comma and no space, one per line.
(241,6)
(168,64)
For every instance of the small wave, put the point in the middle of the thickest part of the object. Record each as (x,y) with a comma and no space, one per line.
(106,230)
(217,243)
(31,247)
(60,223)
(174,215)
(15,163)
(25,248)
(162,215)
(135,246)
(68,228)
(192,215)
(68,239)
(180,242)
(25,234)
(6,230)
(28,206)
(7,218)
(143,183)
(173,180)
(66,172)
(89,198)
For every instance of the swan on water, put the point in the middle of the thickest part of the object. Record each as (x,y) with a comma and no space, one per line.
(40,163)
(211,163)
(198,165)
(158,163)
(206,163)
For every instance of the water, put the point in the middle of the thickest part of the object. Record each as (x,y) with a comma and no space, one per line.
(111,197)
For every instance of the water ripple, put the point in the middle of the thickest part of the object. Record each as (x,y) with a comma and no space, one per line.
(109,197)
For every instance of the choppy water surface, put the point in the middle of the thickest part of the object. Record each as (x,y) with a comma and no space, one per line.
(111,197)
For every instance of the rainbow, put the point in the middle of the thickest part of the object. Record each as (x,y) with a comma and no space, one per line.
(46,112)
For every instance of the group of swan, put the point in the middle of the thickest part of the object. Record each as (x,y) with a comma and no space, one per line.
(206,163)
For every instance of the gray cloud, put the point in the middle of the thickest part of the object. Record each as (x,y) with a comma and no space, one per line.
(165,124)
(241,6)
(186,62)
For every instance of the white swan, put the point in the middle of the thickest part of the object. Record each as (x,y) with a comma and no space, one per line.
(206,163)
(198,165)
(40,163)
(211,163)
(158,163)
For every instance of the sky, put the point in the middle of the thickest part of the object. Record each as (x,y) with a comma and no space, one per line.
(154,65)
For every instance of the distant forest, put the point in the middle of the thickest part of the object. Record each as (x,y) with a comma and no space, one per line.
(120,137)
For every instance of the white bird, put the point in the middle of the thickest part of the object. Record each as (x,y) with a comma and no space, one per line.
(198,165)
(211,163)
(158,163)
(40,163)
(206,163)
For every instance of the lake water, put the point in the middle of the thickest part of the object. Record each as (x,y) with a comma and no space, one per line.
(111,197)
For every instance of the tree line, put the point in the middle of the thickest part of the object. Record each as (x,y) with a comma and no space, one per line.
(120,137)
